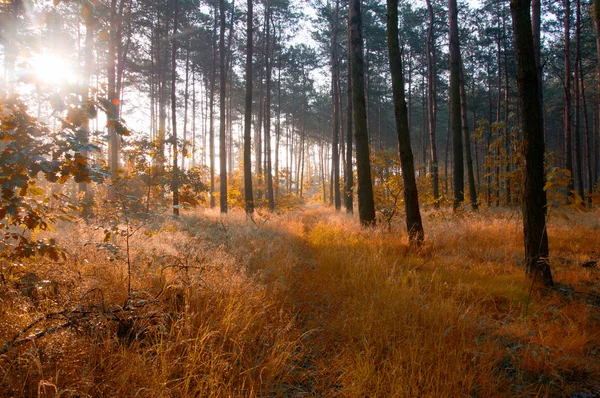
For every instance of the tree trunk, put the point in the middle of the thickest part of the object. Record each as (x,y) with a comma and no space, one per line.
(335,122)
(568,138)
(366,205)
(432,104)
(577,127)
(465,129)
(414,224)
(455,108)
(269,68)
(211,131)
(534,196)
(222,105)
(175,178)
(349,183)
(248,116)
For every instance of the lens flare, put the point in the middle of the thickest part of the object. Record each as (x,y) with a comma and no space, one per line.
(51,69)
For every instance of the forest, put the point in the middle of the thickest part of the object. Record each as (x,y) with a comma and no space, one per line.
(324,198)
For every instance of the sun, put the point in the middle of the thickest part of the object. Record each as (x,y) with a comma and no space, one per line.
(51,69)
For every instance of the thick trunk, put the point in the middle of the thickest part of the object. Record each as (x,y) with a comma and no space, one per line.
(366,205)
(534,196)
(414,224)
(455,107)
(597,107)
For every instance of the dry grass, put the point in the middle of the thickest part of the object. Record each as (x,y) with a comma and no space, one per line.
(309,304)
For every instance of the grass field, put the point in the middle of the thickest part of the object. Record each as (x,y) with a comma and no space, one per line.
(302,304)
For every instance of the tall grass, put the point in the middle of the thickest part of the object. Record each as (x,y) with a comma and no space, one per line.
(309,304)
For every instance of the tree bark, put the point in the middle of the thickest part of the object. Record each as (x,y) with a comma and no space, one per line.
(534,196)
(432,104)
(248,116)
(175,177)
(568,131)
(335,123)
(467,138)
(577,126)
(267,117)
(349,183)
(222,105)
(455,106)
(366,205)
(414,224)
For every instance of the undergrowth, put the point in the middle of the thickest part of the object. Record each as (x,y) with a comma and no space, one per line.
(304,304)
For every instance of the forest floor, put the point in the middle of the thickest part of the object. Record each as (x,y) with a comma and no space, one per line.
(304,303)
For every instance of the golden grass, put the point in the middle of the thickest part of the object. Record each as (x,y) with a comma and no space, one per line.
(309,304)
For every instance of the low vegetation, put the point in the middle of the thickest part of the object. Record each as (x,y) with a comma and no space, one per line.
(304,303)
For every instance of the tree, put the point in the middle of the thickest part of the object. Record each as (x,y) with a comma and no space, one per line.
(455,106)
(175,177)
(411,195)
(534,196)
(222,105)
(366,205)
(248,116)
(432,103)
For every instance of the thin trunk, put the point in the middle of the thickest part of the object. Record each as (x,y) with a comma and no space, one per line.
(577,132)
(269,67)
(568,138)
(212,113)
(222,105)
(175,180)
(248,116)
(455,106)
(432,103)
(466,136)
(348,194)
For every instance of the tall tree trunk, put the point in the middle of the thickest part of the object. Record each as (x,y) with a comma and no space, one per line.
(597,107)
(536,15)
(588,142)
(366,204)
(577,127)
(248,116)
(432,103)
(222,105)
(212,112)
(175,180)
(90,22)
(186,97)
(113,109)
(455,108)
(414,224)
(349,182)
(335,122)
(568,138)
(534,196)
(269,68)
(465,129)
